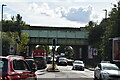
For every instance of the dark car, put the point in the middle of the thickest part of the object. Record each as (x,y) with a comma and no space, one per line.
(15,68)
(32,64)
(48,59)
(41,62)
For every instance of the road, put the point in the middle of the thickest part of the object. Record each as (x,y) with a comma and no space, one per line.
(66,72)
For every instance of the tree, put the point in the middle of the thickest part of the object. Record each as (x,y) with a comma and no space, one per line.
(11,32)
(108,28)
(5,47)
(14,25)
(23,42)
(67,50)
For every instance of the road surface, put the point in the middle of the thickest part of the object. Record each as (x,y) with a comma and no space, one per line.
(66,72)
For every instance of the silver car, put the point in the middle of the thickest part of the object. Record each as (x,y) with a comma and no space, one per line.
(62,61)
(105,71)
(79,65)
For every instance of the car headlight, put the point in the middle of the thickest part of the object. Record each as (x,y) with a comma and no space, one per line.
(105,75)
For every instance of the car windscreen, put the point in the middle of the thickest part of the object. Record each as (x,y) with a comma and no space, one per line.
(110,67)
(39,58)
(4,65)
(78,63)
(29,61)
(62,59)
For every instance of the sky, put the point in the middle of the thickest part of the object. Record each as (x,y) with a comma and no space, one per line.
(57,13)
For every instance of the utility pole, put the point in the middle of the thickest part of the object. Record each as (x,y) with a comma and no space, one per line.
(105,13)
(118,18)
(2,11)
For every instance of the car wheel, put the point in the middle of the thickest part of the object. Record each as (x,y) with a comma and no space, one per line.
(100,78)
(35,78)
(83,69)
(95,78)
(72,68)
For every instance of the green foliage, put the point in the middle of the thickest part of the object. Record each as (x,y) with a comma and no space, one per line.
(14,25)
(10,36)
(23,42)
(108,28)
(11,32)
(5,47)
(67,50)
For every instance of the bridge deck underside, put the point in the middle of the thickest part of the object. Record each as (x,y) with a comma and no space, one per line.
(59,41)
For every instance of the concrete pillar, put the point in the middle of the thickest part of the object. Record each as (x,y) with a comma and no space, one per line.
(80,52)
(77,52)
(85,53)
(31,48)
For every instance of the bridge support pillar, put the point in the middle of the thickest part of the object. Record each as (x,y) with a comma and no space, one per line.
(80,52)
(31,48)
(77,52)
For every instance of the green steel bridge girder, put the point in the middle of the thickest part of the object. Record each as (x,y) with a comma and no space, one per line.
(63,37)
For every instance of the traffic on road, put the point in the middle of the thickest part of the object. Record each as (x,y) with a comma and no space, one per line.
(15,67)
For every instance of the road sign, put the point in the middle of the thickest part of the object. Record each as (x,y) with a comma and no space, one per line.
(12,48)
(90,52)
(95,51)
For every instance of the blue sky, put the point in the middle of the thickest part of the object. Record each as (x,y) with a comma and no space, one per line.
(57,13)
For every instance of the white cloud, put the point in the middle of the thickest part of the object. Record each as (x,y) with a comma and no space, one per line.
(75,15)
(52,21)
(78,14)
(40,12)
(58,0)
(7,16)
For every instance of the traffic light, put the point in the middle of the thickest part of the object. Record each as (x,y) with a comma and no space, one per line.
(53,45)
(54,42)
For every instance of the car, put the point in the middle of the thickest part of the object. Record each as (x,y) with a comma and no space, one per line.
(48,59)
(52,59)
(32,64)
(70,62)
(105,71)
(78,65)
(15,68)
(41,62)
(62,61)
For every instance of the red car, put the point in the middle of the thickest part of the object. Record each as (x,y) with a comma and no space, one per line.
(32,64)
(15,68)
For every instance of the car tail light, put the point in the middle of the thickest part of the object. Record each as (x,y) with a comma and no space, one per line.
(5,78)
(33,64)
(1,78)
(8,78)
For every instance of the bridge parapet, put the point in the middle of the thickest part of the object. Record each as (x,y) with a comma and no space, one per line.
(62,36)
(56,34)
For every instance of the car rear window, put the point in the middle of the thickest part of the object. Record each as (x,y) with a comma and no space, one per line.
(110,67)
(4,65)
(29,61)
(39,58)
(78,62)
(20,65)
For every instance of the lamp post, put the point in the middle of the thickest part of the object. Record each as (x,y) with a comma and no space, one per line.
(2,11)
(105,13)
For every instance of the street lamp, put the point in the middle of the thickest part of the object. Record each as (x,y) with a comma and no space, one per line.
(105,13)
(2,11)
